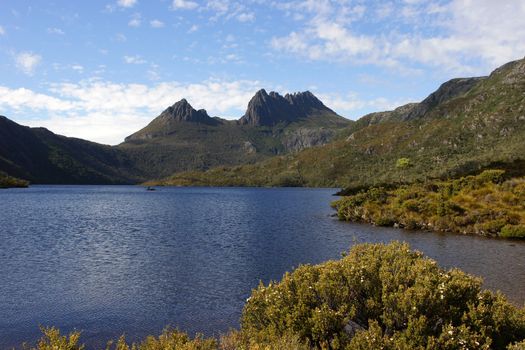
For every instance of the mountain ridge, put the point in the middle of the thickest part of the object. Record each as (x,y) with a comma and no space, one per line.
(465,126)
(180,138)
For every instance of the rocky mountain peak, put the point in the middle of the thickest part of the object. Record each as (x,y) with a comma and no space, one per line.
(182,111)
(270,109)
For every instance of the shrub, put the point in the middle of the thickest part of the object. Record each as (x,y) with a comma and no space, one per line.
(494,176)
(383,296)
(513,231)
(403,163)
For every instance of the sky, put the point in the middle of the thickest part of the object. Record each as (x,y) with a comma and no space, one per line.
(103,69)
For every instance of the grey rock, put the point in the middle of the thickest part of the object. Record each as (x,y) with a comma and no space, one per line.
(303,138)
(270,109)
(351,328)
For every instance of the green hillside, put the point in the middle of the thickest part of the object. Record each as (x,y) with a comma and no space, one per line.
(465,126)
(40,156)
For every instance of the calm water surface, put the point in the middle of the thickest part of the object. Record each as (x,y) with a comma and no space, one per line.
(109,260)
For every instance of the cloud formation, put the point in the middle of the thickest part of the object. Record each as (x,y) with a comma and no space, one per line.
(184,5)
(126,3)
(156,23)
(27,62)
(107,112)
(460,35)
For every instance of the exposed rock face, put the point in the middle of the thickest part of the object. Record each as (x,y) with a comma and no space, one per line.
(303,138)
(182,111)
(270,109)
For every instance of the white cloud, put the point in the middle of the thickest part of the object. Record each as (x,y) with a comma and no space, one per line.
(78,68)
(352,106)
(2,30)
(184,5)
(120,37)
(462,36)
(135,21)
(107,112)
(156,23)
(193,28)
(246,17)
(57,31)
(126,3)
(27,62)
(18,99)
(134,59)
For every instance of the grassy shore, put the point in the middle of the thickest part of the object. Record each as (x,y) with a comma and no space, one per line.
(376,297)
(7,181)
(489,204)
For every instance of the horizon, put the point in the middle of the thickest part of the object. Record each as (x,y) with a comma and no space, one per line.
(102,70)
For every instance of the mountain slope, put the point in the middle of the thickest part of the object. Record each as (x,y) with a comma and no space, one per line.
(465,126)
(40,156)
(182,138)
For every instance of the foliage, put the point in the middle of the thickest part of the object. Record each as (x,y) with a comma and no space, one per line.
(53,340)
(485,204)
(383,296)
(513,231)
(9,181)
(403,163)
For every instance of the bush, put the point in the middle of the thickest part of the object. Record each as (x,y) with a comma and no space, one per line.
(403,163)
(513,231)
(383,296)
(470,205)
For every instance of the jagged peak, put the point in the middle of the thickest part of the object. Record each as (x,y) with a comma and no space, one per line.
(273,108)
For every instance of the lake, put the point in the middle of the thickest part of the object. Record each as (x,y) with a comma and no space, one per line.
(109,260)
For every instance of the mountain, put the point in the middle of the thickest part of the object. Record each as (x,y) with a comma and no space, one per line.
(465,126)
(40,156)
(182,138)
(271,109)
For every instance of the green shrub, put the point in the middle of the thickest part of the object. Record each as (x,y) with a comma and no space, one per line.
(383,296)
(494,176)
(513,231)
(403,163)
(470,205)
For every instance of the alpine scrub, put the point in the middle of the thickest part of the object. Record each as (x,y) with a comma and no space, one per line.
(487,204)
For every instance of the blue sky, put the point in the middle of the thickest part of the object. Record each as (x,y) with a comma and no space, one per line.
(101,70)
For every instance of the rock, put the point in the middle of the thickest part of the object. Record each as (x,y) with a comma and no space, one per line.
(351,328)
(270,109)
(302,138)
(182,111)
(249,148)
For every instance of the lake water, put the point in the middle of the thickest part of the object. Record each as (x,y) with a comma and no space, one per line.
(109,260)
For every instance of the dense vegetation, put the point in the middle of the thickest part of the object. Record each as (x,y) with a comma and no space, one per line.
(487,204)
(9,181)
(376,297)
(466,126)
